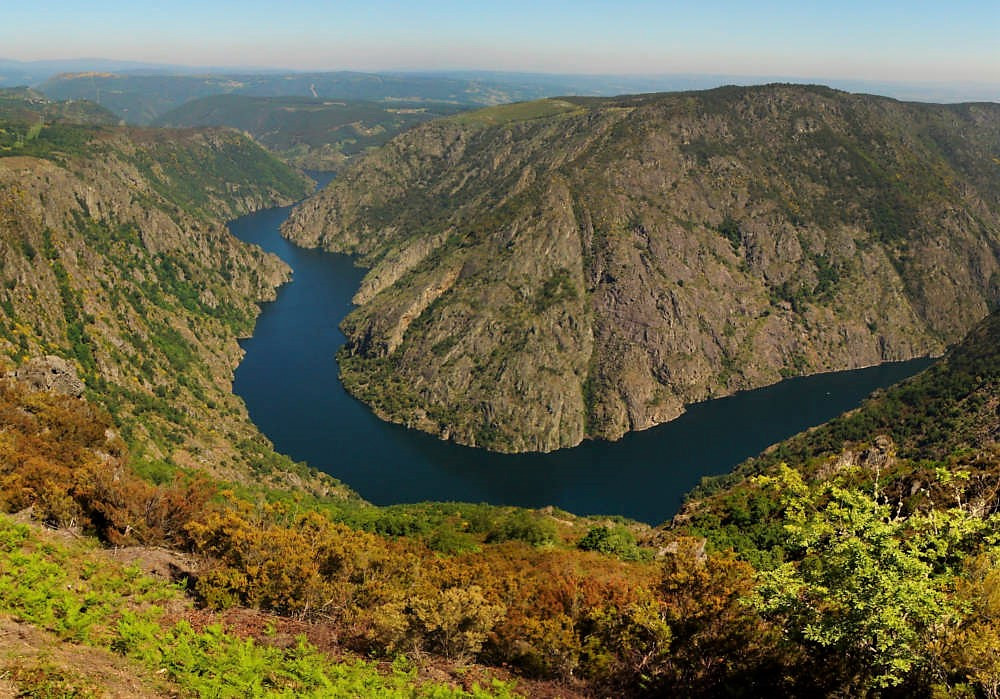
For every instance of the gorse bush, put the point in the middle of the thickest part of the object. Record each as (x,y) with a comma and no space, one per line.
(82,596)
(59,456)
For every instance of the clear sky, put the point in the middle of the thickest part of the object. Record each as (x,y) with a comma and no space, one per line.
(946,40)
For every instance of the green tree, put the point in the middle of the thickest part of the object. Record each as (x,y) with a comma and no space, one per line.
(868,586)
(614,541)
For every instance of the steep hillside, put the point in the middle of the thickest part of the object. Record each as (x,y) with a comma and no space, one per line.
(948,415)
(551,271)
(314,133)
(114,254)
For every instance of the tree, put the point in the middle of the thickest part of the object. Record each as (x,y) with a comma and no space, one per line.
(617,541)
(869,587)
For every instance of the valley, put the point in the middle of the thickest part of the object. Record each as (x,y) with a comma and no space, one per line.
(577,268)
(536,276)
(289,380)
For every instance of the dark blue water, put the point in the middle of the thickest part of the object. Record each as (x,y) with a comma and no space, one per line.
(289,382)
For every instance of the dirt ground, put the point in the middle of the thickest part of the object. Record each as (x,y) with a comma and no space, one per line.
(27,652)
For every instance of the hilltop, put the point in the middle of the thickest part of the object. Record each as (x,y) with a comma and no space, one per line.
(575,268)
(24,105)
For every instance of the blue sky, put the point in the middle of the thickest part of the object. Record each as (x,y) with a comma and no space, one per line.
(874,40)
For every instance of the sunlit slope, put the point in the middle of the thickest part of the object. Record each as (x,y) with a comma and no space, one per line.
(551,271)
(115,256)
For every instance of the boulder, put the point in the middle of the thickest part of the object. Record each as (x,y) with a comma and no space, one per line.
(50,373)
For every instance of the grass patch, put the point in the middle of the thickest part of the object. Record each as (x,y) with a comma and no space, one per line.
(521,111)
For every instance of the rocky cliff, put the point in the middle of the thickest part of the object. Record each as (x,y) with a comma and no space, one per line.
(546,272)
(114,255)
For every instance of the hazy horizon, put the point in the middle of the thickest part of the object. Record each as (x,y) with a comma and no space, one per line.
(852,40)
(36,73)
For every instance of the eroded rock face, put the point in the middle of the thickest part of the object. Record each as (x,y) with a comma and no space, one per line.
(115,254)
(50,373)
(877,458)
(618,259)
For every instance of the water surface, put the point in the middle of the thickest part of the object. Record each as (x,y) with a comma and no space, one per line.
(289,381)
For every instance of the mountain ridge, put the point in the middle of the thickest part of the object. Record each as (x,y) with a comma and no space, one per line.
(583,267)
(310,132)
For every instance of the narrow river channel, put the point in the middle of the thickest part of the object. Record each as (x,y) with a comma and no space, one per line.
(289,382)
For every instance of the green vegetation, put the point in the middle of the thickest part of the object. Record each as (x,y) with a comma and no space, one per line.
(31,124)
(615,541)
(27,106)
(730,230)
(188,180)
(309,132)
(556,290)
(73,314)
(865,585)
(522,111)
(78,594)
(57,142)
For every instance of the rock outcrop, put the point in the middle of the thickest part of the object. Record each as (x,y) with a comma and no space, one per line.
(50,373)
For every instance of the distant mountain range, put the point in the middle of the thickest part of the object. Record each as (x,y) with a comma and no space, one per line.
(310,132)
(139,92)
(139,98)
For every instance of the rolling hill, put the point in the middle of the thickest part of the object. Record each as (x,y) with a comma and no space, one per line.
(141,98)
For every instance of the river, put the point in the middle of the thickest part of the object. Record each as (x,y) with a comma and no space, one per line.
(289,381)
